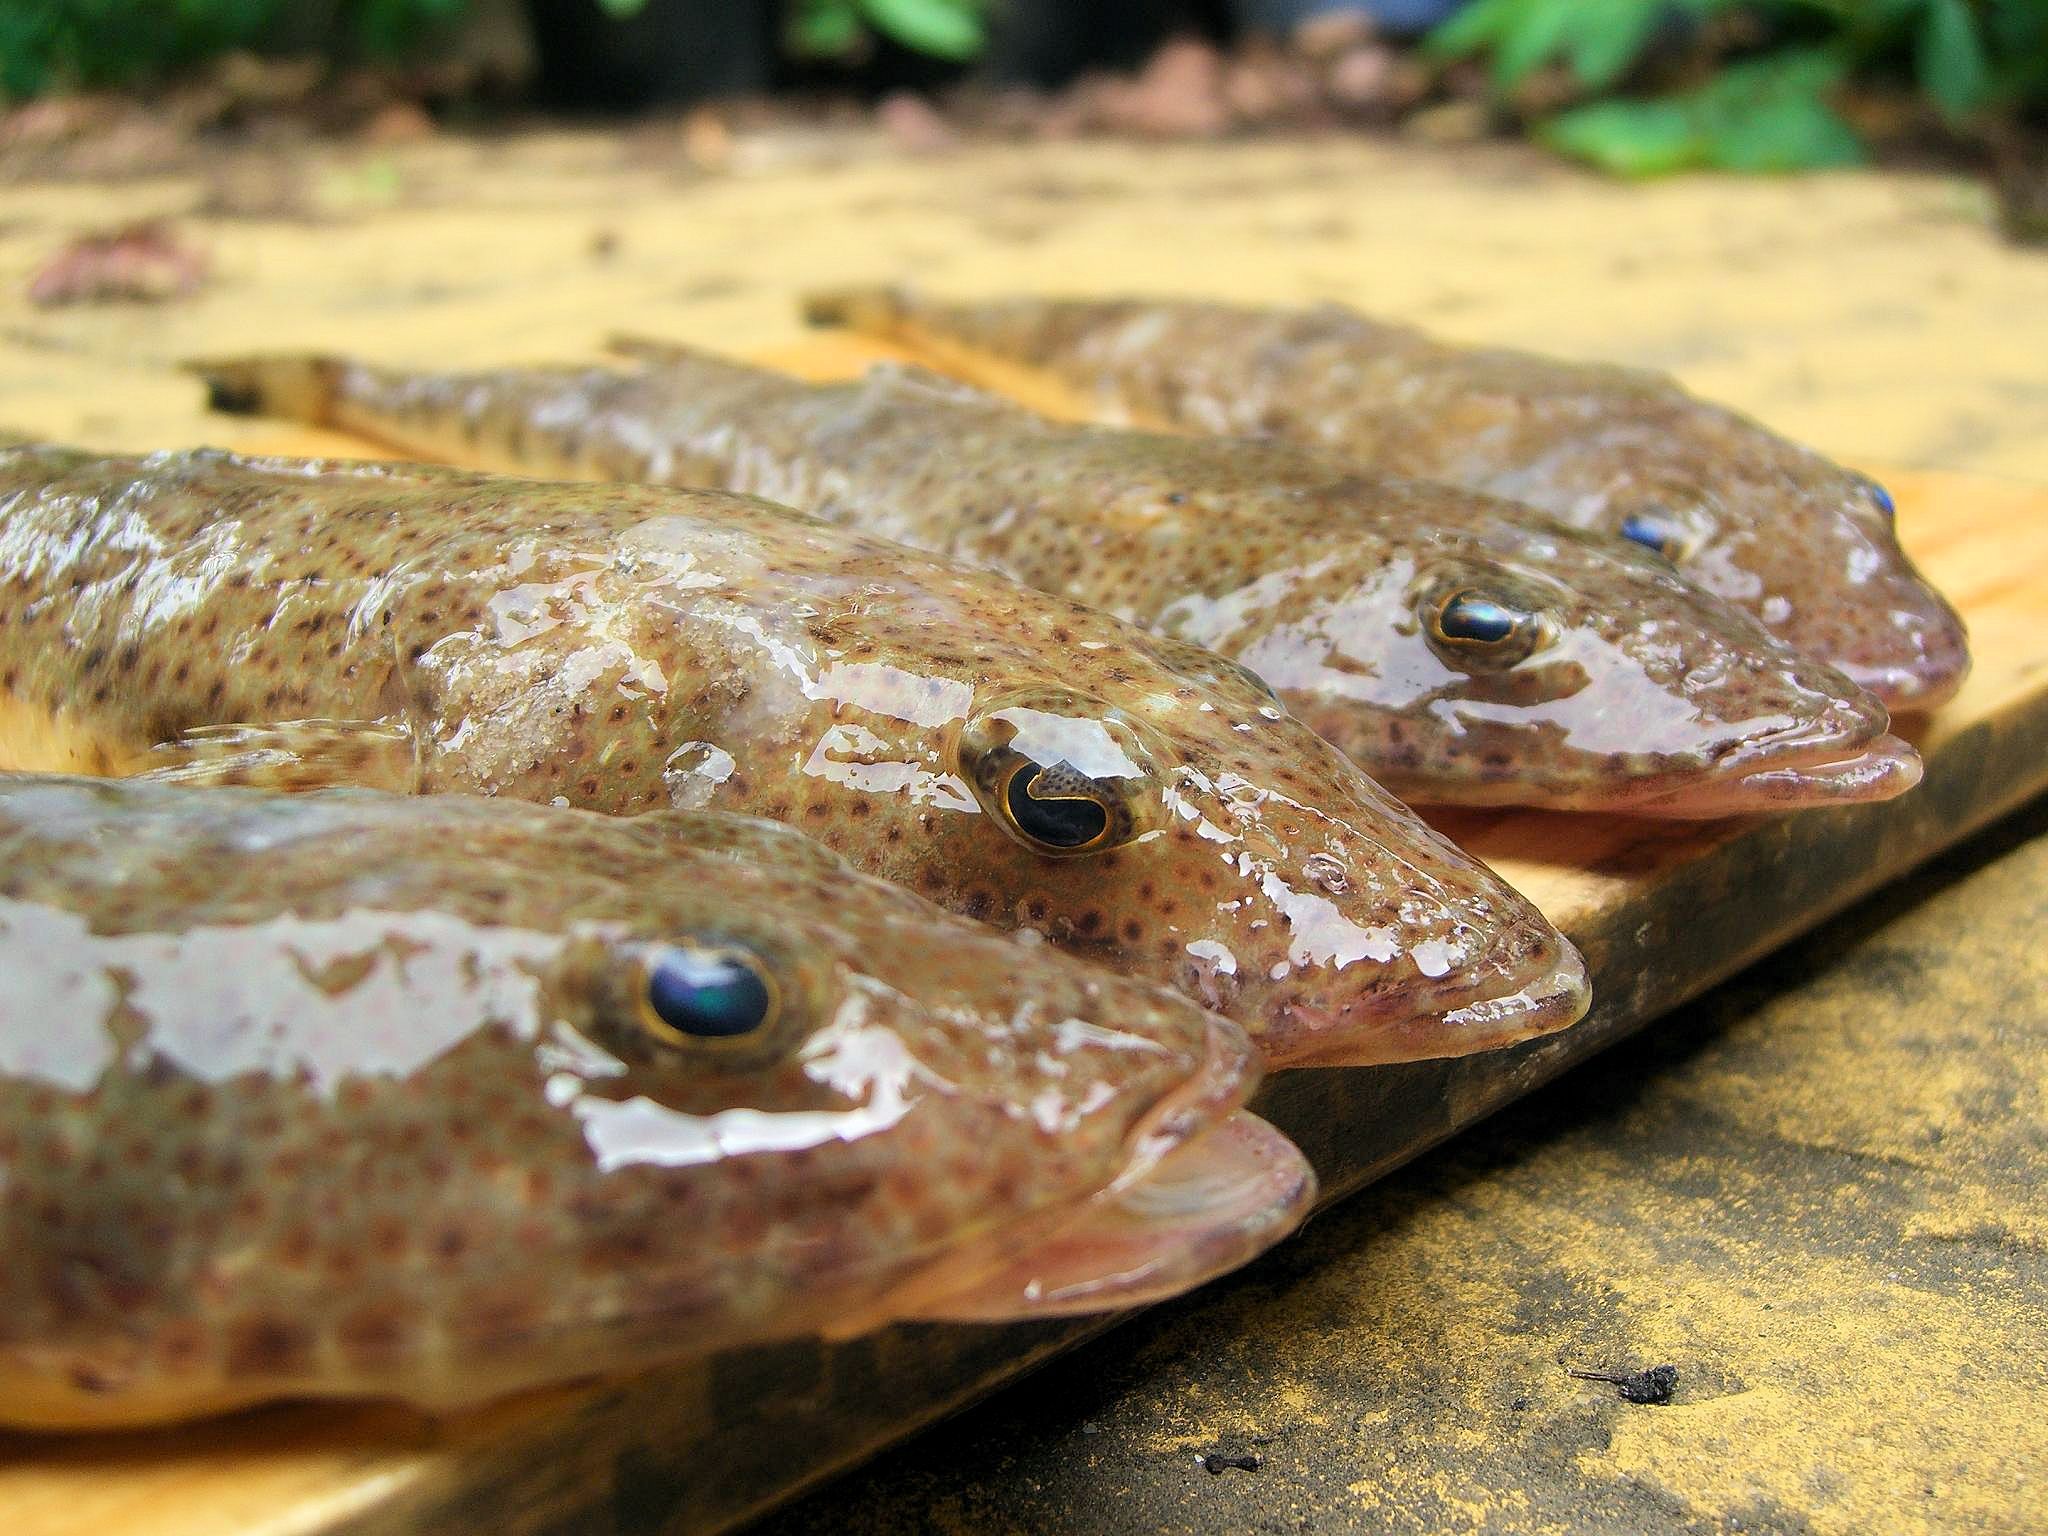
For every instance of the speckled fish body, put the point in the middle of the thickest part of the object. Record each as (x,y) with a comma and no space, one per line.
(1014,756)
(1804,544)
(1620,688)
(352,1094)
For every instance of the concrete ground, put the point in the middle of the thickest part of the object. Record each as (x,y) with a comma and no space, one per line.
(1821,1193)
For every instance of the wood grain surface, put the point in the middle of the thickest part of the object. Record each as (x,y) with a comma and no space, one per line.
(1876,317)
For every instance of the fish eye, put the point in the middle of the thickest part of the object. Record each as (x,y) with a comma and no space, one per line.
(1470,626)
(1880,497)
(706,994)
(1060,774)
(1655,534)
(1055,806)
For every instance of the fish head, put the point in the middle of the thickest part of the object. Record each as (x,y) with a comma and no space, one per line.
(1037,764)
(807,1100)
(1807,546)
(1504,658)
(1174,821)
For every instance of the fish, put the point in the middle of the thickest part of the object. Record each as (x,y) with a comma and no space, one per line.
(1460,648)
(1807,546)
(355,1095)
(206,618)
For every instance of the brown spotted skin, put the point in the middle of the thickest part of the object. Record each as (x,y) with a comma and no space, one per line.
(350,1094)
(1646,695)
(1802,543)
(624,648)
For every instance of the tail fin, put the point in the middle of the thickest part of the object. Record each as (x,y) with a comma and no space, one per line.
(301,388)
(873,311)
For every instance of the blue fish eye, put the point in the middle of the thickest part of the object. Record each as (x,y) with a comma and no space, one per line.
(1882,497)
(709,994)
(1651,534)
(1475,620)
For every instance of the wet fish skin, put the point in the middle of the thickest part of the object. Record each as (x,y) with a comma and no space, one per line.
(214,619)
(350,1094)
(1646,695)
(1804,544)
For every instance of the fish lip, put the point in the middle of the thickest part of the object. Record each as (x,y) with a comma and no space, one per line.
(1245,1185)
(1880,768)
(1533,1000)
(986,1279)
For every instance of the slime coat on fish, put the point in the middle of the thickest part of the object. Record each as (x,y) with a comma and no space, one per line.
(351,1094)
(1805,545)
(1012,755)
(1460,648)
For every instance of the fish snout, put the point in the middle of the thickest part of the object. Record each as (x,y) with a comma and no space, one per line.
(1913,656)
(1399,946)
(1887,629)
(1529,981)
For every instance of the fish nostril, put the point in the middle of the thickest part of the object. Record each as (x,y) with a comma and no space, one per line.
(1327,874)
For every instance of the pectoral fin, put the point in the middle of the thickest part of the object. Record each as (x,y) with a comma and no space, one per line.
(293,755)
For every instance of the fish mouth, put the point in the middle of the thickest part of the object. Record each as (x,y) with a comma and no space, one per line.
(1548,992)
(1202,1210)
(1205,1187)
(1875,770)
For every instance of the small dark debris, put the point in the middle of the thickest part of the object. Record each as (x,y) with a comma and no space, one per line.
(1520,1405)
(1654,1385)
(1215,1463)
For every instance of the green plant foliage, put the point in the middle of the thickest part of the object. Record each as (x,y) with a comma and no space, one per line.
(1766,114)
(1599,39)
(392,26)
(47,44)
(1951,60)
(944,29)
(1770,111)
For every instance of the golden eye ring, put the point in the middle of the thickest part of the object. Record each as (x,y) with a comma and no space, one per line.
(1470,627)
(1075,822)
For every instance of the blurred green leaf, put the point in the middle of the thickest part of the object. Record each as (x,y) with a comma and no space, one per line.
(1767,114)
(945,29)
(1627,138)
(392,26)
(1772,114)
(28,45)
(1600,39)
(825,29)
(1951,61)
(621,9)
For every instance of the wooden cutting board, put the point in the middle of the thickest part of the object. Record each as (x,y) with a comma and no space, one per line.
(1662,911)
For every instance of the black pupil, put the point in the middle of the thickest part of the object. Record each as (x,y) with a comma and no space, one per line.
(1648,532)
(1474,618)
(709,995)
(1063,823)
